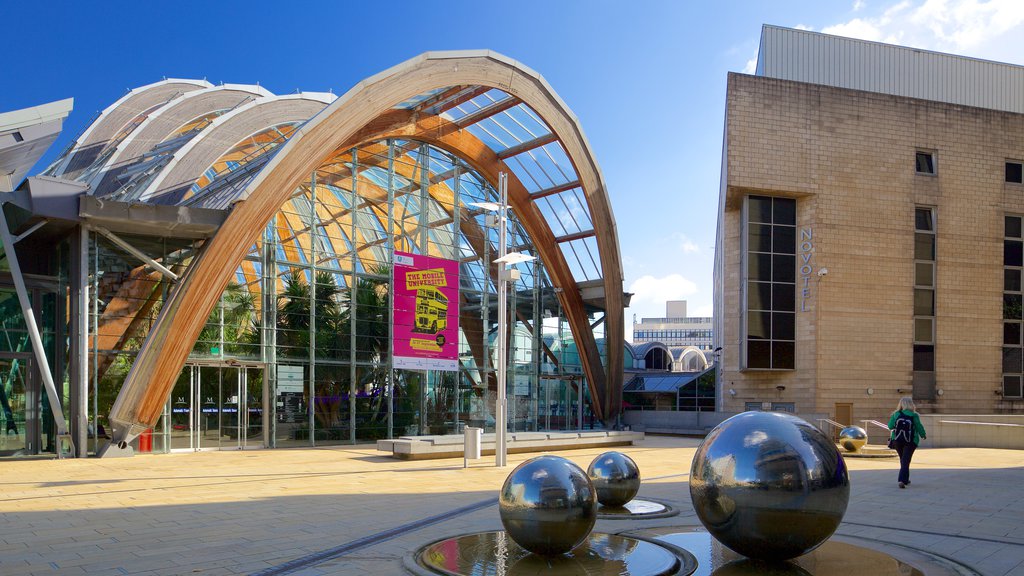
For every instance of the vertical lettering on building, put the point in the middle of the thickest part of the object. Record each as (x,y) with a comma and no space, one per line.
(806,267)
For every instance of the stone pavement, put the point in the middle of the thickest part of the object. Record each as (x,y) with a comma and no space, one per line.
(348,510)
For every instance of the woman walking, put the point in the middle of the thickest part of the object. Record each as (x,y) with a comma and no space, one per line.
(906,431)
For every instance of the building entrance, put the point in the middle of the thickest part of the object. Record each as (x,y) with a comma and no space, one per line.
(218,406)
(25,424)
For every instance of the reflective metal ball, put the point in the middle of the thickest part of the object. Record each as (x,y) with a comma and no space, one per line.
(548,505)
(769,485)
(853,438)
(616,478)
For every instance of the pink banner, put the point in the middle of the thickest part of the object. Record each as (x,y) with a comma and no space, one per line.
(426,313)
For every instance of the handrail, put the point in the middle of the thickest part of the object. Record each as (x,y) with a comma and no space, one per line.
(875,423)
(832,423)
(1006,424)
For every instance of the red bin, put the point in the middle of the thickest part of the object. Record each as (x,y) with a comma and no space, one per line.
(146,441)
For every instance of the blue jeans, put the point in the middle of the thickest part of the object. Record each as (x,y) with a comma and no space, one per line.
(906,452)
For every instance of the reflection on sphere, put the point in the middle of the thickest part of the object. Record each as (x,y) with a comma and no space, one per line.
(853,438)
(769,485)
(616,478)
(548,505)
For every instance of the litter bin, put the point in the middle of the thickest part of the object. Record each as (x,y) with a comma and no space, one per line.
(473,438)
(146,441)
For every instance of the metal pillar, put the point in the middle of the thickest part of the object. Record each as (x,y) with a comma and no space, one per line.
(78,365)
(501,403)
(33,332)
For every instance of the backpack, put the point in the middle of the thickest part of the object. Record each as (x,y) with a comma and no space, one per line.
(904,428)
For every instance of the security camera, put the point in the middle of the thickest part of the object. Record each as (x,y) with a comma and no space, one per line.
(823,272)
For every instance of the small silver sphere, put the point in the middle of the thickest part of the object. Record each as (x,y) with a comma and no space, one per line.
(769,485)
(616,478)
(548,505)
(853,438)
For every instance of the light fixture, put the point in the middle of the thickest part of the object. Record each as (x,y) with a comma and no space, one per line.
(780,388)
(940,392)
(871,391)
(732,392)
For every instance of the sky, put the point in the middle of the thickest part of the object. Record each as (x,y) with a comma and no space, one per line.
(645,78)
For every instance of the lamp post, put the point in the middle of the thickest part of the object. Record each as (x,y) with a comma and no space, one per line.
(505,275)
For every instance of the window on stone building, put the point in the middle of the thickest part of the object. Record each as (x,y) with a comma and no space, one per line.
(1014,172)
(924,290)
(1013,346)
(770,292)
(925,162)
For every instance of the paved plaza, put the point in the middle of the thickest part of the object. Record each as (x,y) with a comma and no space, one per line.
(349,510)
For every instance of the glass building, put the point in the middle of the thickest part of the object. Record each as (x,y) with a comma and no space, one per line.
(213,267)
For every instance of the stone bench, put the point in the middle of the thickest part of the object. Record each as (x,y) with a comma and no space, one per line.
(451,446)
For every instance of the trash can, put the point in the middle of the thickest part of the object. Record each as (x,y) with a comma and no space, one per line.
(146,441)
(473,438)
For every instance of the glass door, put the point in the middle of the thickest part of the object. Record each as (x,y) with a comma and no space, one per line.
(217,407)
(20,409)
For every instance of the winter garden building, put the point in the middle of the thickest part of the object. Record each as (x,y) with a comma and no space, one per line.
(870,231)
(221,267)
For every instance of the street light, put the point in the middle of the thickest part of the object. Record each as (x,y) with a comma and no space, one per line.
(505,275)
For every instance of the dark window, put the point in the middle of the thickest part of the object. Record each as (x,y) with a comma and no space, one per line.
(1012,226)
(1012,387)
(1013,352)
(1014,174)
(1011,333)
(1013,253)
(1011,280)
(770,231)
(925,163)
(924,358)
(924,246)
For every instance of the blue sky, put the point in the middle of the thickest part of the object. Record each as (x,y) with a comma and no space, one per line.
(646,78)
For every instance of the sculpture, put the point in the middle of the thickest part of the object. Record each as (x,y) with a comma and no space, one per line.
(769,485)
(548,505)
(853,438)
(616,478)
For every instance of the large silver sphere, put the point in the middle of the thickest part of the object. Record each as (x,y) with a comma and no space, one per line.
(616,478)
(548,505)
(769,485)
(853,438)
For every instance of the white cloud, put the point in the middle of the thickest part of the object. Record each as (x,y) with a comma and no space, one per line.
(983,29)
(648,289)
(751,66)
(858,5)
(685,244)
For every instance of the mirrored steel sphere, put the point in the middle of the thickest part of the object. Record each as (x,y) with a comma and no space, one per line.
(616,478)
(548,505)
(769,485)
(853,438)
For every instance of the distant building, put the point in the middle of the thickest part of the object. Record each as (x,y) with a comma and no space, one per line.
(688,339)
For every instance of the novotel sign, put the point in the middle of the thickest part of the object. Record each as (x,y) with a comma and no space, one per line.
(806,267)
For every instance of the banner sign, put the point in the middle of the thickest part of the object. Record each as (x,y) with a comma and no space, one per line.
(426,313)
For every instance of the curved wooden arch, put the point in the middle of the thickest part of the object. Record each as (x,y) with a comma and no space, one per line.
(159,362)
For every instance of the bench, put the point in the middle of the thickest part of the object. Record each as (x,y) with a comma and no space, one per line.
(451,446)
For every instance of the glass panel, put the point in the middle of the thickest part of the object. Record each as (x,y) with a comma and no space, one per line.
(1011,280)
(925,163)
(1012,227)
(1013,253)
(759,296)
(759,209)
(758,325)
(924,247)
(784,297)
(783,355)
(759,354)
(19,409)
(784,239)
(1014,172)
(783,326)
(923,274)
(923,330)
(1012,360)
(923,219)
(1012,306)
(784,211)
(759,238)
(924,358)
(1011,333)
(783,268)
(759,266)
(924,302)
(1012,387)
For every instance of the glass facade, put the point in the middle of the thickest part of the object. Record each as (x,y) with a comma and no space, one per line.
(769,231)
(298,350)
(1013,264)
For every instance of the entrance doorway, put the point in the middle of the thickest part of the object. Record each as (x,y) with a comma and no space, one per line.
(26,427)
(218,407)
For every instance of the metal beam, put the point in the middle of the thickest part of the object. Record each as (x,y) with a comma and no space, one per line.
(136,252)
(33,329)
(575,236)
(555,189)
